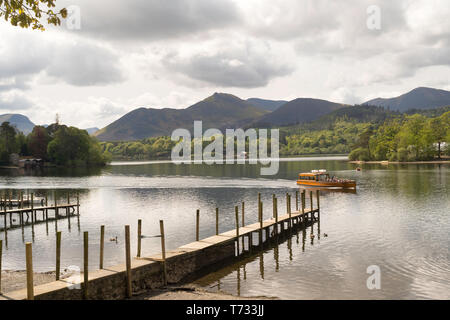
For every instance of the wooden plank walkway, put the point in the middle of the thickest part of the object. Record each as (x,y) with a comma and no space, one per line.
(29,216)
(246,231)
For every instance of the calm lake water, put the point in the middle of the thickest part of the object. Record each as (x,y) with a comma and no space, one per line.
(399,220)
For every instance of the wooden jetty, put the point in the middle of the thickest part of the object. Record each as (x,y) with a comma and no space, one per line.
(26,213)
(147,273)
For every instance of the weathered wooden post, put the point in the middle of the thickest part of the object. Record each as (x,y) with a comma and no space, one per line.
(318,199)
(56,205)
(243,214)
(236,210)
(58,255)
(46,204)
(1,254)
(217,221)
(139,238)
(78,203)
(276,214)
(261,224)
(296,201)
(85,264)
(4,219)
(289,211)
(312,209)
(128,260)
(33,217)
(163,250)
(197,226)
(29,264)
(68,203)
(102,245)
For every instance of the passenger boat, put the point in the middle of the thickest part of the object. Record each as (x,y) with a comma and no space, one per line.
(322,179)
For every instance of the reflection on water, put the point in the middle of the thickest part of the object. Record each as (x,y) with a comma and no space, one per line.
(398,220)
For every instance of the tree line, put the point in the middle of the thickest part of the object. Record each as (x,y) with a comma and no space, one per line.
(408,138)
(58,144)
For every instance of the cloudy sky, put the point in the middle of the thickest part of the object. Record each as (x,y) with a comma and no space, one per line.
(171,54)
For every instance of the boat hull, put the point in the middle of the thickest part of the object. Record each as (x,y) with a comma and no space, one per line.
(322,184)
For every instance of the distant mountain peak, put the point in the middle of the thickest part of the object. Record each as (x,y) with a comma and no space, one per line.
(418,98)
(21,122)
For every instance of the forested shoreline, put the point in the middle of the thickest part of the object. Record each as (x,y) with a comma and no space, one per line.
(364,132)
(56,144)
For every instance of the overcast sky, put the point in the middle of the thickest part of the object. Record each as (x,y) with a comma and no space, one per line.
(173,53)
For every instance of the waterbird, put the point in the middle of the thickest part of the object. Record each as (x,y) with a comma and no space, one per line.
(113,239)
(325,235)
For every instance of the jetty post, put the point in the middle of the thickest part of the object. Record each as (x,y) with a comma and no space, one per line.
(102,245)
(78,203)
(261,224)
(243,214)
(296,201)
(197,226)
(1,253)
(128,260)
(217,221)
(29,266)
(139,238)
(163,250)
(46,205)
(33,217)
(58,255)
(85,264)
(236,211)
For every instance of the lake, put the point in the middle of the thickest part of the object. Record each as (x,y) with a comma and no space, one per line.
(398,220)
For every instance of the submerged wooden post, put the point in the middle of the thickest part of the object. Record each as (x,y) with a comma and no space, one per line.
(58,255)
(29,263)
(217,221)
(128,260)
(197,227)
(86,264)
(1,253)
(102,245)
(236,210)
(139,238)
(163,250)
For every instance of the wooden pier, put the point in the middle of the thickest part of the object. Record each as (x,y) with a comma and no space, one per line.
(146,273)
(18,213)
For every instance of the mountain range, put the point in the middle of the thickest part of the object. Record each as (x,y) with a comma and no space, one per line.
(419,98)
(222,110)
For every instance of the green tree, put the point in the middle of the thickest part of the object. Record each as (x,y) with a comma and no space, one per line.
(38,141)
(29,13)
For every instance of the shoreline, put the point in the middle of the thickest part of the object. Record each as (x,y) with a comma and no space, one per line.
(16,280)
(401,162)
